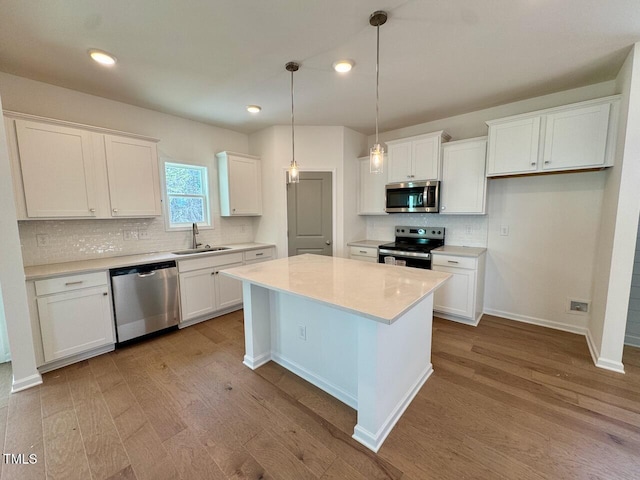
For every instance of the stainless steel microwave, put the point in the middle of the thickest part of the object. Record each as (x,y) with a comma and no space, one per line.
(413,197)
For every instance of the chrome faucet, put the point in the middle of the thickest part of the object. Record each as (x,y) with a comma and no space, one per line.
(194,232)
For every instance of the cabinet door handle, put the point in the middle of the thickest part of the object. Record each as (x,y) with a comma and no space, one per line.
(547,161)
(452,261)
(67,284)
(443,208)
(105,294)
(533,164)
(259,254)
(92,210)
(362,251)
(115,210)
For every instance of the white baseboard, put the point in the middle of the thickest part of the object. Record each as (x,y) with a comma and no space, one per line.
(258,361)
(26,382)
(47,367)
(598,360)
(565,327)
(209,316)
(633,340)
(374,441)
(321,383)
(455,318)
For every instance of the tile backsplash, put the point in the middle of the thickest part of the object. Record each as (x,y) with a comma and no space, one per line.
(464,230)
(70,240)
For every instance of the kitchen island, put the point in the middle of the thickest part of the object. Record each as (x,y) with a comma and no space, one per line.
(359,331)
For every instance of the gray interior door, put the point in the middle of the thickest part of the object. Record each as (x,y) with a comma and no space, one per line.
(309,214)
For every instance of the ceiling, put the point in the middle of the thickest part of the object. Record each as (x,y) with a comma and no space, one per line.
(207,60)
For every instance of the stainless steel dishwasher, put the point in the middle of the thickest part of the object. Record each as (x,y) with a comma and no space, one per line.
(145,299)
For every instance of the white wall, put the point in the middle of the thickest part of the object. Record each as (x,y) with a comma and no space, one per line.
(317,148)
(181,140)
(553,224)
(619,225)
(632,334)
(14,293)
(548,255)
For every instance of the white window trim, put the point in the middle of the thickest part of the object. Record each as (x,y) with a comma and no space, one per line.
(165,195)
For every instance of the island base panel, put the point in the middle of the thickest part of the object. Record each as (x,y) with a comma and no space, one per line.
(257,325)
(394,362)
(371,366)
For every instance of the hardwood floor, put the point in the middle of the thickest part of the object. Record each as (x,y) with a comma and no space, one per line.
(507,401)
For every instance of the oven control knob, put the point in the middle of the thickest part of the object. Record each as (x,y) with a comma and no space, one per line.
(433,232)
(439,232)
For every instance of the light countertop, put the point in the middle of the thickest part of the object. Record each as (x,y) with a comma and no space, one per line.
(98,264)
(368,243)
(459,251)
(377,291)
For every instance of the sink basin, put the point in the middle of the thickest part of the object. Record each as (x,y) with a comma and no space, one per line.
(189,251)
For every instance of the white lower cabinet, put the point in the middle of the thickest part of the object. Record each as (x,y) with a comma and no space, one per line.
(74,314)
(203,291)
(364,254)
(461,297)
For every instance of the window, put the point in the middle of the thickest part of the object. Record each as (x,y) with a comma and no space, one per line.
(187,195)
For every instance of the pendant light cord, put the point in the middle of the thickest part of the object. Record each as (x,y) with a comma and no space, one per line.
(377,78)
(293,140)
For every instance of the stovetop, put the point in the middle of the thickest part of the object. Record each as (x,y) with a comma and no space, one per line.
(416,239)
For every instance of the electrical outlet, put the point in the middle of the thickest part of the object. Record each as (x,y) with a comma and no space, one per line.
(302,332)
(504,230)
(143,234)
(578,306)
(42,239)
(130,235)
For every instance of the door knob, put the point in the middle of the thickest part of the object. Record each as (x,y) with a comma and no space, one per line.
(328,242)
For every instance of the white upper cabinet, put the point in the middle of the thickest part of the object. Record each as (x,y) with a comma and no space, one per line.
(416,158)
(513,147)
(464,183)
(576,138)
(57,170)
(65,170)
(240,181)
(371,193)
(572,137)
(134,184)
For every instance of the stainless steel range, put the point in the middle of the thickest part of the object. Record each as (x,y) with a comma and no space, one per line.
(413,245)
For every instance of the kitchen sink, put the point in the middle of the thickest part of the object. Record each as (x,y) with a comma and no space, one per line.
(189,251)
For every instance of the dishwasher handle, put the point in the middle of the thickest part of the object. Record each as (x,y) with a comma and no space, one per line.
(147,274)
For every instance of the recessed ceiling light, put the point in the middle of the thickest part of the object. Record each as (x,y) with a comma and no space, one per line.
(343,66)
(253,108)
(102,57)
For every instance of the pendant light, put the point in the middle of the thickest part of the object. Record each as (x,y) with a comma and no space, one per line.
(294,171)
(376,154)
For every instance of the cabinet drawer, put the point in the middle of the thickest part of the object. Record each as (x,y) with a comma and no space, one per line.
(261,254)
(208,262)
(364,252)
(70,283)
(454,261)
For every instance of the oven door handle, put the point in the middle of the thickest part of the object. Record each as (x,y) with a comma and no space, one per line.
(398,254)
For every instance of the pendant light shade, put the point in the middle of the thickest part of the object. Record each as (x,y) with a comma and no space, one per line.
(293,173)
(376,154)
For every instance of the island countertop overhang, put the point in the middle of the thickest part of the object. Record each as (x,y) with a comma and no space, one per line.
(377,291)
